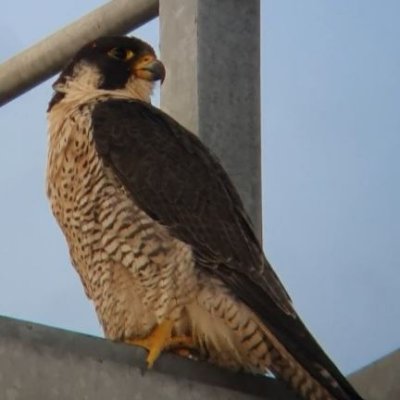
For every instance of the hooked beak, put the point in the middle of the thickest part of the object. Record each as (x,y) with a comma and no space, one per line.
(150,69)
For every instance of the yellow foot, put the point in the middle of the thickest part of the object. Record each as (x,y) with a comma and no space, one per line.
(161,339)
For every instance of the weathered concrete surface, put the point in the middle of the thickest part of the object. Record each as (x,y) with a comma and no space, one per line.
(42,363)
(211,50)
(379,380)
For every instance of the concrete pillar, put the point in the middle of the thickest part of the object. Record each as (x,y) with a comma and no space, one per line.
(211,49)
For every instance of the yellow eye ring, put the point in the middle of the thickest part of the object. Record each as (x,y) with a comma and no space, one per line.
(120,53)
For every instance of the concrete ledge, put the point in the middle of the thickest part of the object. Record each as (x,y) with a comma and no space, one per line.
(379,380)
(43,363)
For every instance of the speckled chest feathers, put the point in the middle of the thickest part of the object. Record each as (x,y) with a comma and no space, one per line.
(131,268)
(134,271)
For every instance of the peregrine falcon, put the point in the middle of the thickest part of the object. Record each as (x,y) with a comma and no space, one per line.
(158,233)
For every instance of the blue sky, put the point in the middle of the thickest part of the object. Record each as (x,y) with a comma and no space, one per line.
(331,138)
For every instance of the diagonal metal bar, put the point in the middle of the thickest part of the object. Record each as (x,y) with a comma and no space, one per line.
(36,64)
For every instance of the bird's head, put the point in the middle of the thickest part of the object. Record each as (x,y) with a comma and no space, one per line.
(125,66)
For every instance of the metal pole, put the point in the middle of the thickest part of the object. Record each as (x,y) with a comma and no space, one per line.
(36,64)
(211,50)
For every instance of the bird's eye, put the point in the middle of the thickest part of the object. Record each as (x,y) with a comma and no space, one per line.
(121,54)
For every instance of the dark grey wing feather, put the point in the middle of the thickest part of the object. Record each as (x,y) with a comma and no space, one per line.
(173,177)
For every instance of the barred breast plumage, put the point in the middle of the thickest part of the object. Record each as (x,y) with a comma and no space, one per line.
(128,263)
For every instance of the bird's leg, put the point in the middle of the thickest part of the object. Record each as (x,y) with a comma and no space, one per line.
(160,339)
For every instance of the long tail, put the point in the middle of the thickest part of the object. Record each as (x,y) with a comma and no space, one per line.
(286,368)
(233,336)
